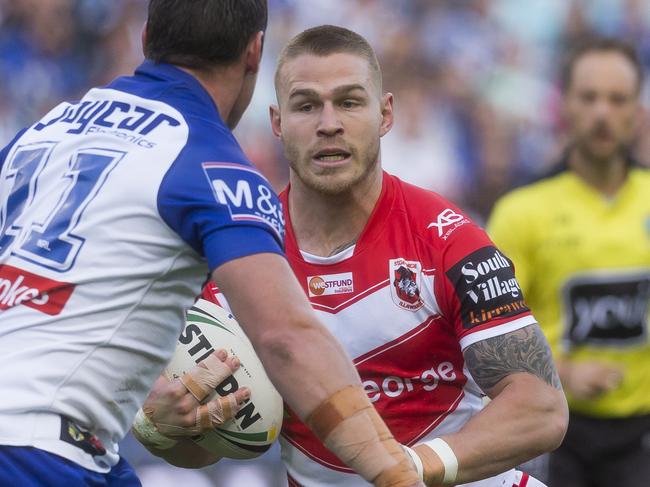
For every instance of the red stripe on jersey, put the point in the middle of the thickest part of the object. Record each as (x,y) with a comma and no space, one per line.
(358,297)
(524,480)
(211,293)
(413,385)
(415,331)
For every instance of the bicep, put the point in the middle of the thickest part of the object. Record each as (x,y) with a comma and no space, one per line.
(492,360)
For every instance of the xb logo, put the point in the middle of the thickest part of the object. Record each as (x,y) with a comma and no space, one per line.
(445,218)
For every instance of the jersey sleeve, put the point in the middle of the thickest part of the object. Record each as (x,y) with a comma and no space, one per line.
(223,210)
(483,298)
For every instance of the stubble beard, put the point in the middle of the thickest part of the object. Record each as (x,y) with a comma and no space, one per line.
(601,159)
(327,182)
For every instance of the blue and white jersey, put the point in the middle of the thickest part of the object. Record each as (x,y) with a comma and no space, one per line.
(112,212)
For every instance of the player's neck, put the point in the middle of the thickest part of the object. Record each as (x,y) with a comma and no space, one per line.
(325,224)
(606,176)
(222,84)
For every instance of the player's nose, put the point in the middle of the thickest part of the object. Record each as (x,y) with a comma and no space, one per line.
(329,122)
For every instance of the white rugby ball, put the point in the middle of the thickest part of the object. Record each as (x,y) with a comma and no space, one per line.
(209,327)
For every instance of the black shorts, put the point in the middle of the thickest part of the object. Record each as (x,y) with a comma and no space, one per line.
(603,453)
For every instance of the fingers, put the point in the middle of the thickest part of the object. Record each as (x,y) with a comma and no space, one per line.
(201,380)
(220,410)
(206,416)
(613,378)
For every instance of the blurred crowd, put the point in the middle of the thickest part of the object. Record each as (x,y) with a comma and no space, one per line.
(475,82)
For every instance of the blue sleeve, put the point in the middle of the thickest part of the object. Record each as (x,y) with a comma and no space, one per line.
(224,210)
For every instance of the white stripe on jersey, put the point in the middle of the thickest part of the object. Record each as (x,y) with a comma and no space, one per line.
(508,327)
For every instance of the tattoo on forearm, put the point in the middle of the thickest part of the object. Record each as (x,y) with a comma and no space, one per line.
(523,350)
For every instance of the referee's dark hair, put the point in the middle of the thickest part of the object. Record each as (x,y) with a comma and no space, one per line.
(200,34)
(600,44)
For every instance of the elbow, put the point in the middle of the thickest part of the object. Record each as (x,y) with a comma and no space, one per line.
(277,348)
(557,421)
(282,345)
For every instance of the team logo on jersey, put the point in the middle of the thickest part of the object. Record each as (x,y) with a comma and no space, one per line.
(446,218)
(405,283)
(330,284)
(486,287)
(606,309)
(21,287)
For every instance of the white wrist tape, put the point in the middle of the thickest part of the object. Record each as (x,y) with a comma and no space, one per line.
(447,457)
(416,460)
(149,435)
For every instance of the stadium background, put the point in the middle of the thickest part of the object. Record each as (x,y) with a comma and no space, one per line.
(475,81)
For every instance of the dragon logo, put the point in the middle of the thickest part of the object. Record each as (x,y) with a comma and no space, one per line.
(405,290)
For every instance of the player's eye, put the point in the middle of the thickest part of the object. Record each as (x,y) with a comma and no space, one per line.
(618,99)
(349,103)
(306,107)
(588,97)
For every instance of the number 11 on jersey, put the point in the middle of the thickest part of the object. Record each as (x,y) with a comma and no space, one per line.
(51,242)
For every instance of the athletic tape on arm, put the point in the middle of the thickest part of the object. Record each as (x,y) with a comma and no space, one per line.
(201,380)
(444,454)
(349,426)
(147,433)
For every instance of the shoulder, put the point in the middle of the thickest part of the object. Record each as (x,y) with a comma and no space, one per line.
(426,210)
(539,189)
(533,197)
(641,173)
(443,229)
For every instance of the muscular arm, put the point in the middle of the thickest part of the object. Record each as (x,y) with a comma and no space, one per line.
(310,369)
(528,413)
(304,361)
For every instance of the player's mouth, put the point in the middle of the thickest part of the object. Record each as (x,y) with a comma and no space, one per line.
(331,157)
(602,134)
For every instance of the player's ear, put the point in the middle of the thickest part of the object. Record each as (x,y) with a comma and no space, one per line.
(254,53)
(386,114)
(276,125)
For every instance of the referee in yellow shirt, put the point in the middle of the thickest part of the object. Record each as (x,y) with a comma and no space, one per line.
(580,241)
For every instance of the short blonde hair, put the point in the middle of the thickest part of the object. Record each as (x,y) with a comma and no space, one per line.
(325,40)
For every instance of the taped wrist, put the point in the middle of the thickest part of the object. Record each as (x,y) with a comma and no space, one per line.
(148,434)
(350,427)
(436,452)
(417,461)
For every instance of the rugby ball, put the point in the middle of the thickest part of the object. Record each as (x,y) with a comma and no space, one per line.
(209,327)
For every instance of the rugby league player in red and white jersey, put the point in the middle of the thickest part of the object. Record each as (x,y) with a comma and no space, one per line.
(417,293)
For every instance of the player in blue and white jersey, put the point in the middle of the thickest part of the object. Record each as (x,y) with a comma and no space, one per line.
(112,211)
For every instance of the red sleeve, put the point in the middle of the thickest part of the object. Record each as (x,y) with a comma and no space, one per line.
(482,296)
(211,292)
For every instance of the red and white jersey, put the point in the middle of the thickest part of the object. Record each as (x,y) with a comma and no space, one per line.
(422,283)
